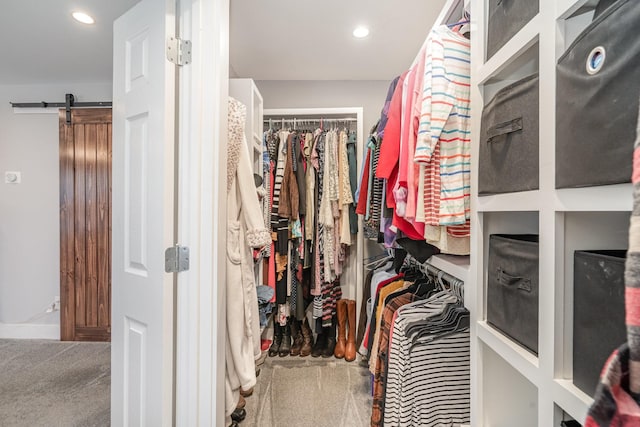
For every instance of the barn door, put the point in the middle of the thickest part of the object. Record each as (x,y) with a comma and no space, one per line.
(85,225)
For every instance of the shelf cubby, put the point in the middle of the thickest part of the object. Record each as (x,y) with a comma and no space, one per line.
(524,64)
(508,398)
(517,54)
(606,230)
(560,415)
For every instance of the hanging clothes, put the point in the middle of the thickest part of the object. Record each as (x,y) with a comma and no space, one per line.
(444,145)
(420,393)
(419,153)
(311,217)
(419,338)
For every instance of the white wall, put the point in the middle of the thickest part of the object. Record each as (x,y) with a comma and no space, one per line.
(369,94)
(29,212)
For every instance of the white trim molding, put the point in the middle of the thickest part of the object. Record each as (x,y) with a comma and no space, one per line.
(29,331)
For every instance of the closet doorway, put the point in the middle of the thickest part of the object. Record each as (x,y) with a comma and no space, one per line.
(85,225)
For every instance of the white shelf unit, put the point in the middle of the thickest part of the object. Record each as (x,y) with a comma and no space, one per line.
(246,91)
(455,265)
(511,386)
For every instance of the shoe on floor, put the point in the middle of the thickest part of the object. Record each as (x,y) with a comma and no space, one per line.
(285,345)
(320,346)
(238,415)
(277,340)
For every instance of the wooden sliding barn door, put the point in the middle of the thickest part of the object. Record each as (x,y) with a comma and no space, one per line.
(85,225)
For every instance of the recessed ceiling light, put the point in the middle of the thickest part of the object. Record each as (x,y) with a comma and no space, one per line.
(361,32)
(83,17)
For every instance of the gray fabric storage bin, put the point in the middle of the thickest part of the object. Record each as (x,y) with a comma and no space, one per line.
(598,83)
(512,288)
(506,18)
(509,139)
(598,313)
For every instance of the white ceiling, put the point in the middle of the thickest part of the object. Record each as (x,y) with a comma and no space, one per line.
(269,40)
(311,40)
(42,43)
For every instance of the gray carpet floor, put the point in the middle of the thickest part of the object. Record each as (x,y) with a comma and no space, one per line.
(52,383)
(62,384)
(308,392)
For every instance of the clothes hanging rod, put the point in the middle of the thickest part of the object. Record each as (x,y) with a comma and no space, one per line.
(426,267)
(276,119)
(445,276)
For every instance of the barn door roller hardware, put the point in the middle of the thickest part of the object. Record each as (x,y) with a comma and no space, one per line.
(68,104)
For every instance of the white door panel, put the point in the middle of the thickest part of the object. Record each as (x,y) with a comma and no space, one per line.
(143,217)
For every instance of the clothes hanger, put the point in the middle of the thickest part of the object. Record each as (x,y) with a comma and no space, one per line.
(422,287)
(455,24)
(374,265)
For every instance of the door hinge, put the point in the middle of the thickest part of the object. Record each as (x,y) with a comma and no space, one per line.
(176,259)
(179,51)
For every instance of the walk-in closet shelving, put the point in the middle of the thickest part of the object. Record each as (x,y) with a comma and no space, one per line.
(517,222)
(501,383)
(510,385)
(246,91)
(455,265)
(609,198)
(580,231)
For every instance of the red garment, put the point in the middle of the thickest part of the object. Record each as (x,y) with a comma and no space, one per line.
(414,231)
(410,133)
(390,148)
(388,163)
(361,207)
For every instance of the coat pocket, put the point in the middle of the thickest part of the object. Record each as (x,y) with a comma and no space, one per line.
(233,242)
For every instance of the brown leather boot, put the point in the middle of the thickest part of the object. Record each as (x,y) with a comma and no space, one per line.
(296,335)
(341,342)
(307,339)
(350,350)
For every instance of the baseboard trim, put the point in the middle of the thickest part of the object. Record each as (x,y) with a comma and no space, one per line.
(29,331)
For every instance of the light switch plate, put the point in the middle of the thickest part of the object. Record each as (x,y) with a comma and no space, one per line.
(12,177)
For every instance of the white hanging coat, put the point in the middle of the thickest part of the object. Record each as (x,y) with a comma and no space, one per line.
(245,230)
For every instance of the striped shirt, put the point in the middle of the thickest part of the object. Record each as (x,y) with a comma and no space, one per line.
(381,356)
(372,224)
(428,374)
(444,143)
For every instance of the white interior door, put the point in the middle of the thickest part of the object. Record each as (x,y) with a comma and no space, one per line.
(143,217)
